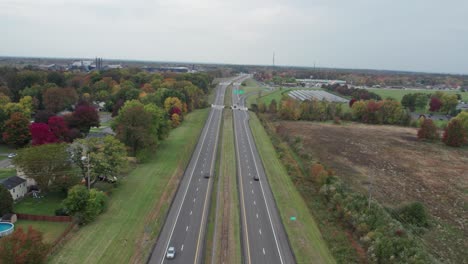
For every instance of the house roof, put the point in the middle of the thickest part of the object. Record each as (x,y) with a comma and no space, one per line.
(12,182)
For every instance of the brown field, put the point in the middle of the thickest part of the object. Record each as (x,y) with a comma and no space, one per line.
(401,169)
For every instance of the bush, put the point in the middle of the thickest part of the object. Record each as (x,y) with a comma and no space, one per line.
(61,212)
(428,130)
(455,134)
(415,214)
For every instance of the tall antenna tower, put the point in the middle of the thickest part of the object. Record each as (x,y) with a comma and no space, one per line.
(273,59)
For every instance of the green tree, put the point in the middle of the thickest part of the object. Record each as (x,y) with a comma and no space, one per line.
(16,131)
(273,107)
(45,164)
(449,102)
(83,204)
(421,101)
(6,201)
(133,126)
(107,157)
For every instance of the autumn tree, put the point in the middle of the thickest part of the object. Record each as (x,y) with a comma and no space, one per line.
(435,104)
(175,118)
(172,102)
(16,131)
(6,201)
(59,128)
(57,99)
(45,163)
(41,134)
(83,118)
(428,130)
(455,135)
(23,247)
(42,116)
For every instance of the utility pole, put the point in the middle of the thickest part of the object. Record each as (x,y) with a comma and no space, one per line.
(88,172)
(273,59)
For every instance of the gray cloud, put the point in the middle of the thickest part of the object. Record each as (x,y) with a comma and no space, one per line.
(428,35)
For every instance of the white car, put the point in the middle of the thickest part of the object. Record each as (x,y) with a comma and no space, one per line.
(11,155)
(170,253)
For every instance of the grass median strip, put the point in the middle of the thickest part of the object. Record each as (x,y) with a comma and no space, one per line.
(303,233)
(126,232)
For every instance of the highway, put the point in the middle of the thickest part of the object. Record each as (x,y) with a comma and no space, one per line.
(185,224)
(263,236)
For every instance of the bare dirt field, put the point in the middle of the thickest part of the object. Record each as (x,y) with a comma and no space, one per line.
(401,169)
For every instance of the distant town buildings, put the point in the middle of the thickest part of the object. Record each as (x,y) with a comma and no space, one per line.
(318,82)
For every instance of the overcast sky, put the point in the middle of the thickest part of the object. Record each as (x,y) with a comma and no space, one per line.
(418,35)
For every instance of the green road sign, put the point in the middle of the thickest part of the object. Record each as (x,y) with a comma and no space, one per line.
(292,218)
(239,92)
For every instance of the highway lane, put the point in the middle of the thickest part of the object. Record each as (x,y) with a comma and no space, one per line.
(264,238)
(185,225)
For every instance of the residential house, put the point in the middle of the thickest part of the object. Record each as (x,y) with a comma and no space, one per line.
(16,185)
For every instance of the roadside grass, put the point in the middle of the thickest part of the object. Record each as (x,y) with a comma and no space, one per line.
(4,149)
(127,231)
(398,94)
(50,230)
(5,173)
(40,206)
(304,235)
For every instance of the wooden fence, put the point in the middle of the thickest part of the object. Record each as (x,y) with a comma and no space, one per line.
(48,218)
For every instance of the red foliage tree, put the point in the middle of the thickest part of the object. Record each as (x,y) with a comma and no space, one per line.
(351,102)
(23,247)
(117,106)
(16,131)
(435,104)
(83,118)
(58,126)
(428,130)
(41,134)
(455,134)
(175,110)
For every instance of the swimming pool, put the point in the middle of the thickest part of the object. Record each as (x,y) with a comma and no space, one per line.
(6,228)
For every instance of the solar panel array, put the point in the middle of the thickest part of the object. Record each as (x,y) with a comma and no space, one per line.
(303,95)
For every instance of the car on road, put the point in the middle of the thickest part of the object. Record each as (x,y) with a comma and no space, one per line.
(170,253)
(11,155)
(206,175)
(255,177)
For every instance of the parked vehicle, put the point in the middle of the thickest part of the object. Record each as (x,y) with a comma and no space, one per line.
(11,155)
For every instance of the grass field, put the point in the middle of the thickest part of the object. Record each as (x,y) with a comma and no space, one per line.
(398,94)
(50,230)
(401,169)
(40,206)
(304,234)
(126,232)
(228,247)
(5,173)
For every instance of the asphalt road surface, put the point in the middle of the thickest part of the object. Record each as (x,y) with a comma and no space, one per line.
(264,238)
(184,228)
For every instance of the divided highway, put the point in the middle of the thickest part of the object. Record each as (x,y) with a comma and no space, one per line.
(184,228)
(264,238)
